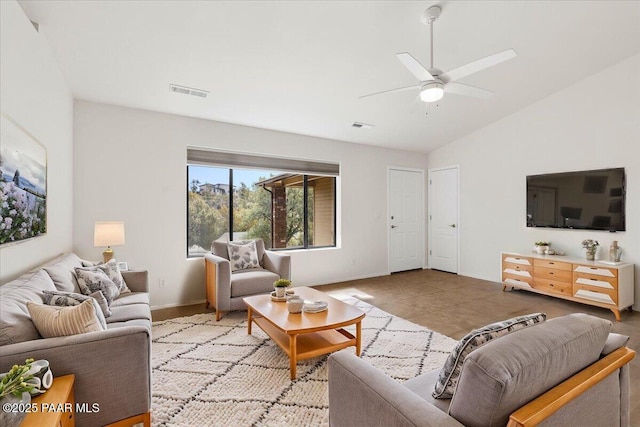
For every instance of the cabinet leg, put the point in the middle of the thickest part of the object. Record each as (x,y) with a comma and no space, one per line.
(616,313)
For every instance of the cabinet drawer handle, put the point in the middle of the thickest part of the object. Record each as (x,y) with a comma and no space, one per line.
(593,268)
(551,284)
(551,262)
(551,273)
(518,268)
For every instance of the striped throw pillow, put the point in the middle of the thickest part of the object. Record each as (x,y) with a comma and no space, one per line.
(63,321)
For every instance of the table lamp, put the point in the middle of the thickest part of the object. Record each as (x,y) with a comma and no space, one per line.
(108,233)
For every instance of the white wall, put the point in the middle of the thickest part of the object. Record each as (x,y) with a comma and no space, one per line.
(130,165)
(593,124)
(34,94)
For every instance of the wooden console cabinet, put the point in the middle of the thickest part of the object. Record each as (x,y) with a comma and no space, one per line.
(587,282)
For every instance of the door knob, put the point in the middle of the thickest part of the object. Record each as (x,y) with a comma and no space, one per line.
(452,225)
(394,226)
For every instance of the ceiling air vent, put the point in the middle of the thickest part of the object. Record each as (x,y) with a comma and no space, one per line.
(188,90)
(359,125)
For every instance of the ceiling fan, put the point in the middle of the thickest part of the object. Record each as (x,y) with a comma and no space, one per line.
(433,82)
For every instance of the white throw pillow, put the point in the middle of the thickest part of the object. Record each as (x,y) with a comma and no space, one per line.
(54,322)
(243,255)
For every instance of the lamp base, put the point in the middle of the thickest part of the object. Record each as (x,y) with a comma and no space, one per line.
(107,254)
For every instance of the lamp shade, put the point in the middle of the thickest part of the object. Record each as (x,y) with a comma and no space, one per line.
(108,233)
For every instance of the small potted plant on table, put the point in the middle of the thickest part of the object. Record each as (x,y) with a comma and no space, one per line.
(281,286)
(542,246)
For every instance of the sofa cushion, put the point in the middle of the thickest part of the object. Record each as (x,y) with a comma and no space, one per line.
(62,272)
(448,379)
(70,299)
(129,312)
(243,256)
(250,282)
(423,385)
(15,321)
(500,377)
(97,280)
(54,322)
(131,298)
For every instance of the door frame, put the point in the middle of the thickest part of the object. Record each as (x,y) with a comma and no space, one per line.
(422,212)
(429,233)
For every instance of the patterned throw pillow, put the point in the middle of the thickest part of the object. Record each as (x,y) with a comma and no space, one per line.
(91,281)
(64,321)
(243,255)
(450,373)
(113,271)
(68,299)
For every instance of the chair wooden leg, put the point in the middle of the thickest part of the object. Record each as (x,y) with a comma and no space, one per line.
(219,315)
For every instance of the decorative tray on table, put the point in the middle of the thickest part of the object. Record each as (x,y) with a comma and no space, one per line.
(281,299)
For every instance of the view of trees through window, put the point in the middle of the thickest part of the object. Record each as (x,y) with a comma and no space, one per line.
(266,204)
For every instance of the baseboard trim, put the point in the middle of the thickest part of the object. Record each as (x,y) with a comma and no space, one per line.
(160,307)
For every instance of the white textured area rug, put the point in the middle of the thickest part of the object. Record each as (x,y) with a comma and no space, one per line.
(208,373)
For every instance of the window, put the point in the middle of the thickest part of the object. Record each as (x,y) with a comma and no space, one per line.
(286,209)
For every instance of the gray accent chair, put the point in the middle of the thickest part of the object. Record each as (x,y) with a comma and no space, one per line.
(225,289)
(568,371)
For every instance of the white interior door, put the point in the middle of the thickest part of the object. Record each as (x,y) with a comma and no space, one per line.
(443,219)
(406,219)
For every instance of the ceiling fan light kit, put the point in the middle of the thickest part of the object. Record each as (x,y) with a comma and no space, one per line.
(433,82)
(432,91)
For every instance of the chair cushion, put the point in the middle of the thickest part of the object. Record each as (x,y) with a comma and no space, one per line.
(250,282)
(507,373)
(62,272)
(448,379)
(15,321)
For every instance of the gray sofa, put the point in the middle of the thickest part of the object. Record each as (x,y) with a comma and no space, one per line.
(112,367)
(500,384)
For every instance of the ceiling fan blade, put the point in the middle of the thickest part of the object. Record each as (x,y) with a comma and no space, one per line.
(414,66)
(466,90)
(400,89)
(479,65)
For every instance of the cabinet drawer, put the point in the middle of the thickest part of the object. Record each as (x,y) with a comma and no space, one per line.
(553,274)
(553,286)
(517,268)
(610,283)
(547,263)
(596,271)
(515,279)
(516,259)
(594,293)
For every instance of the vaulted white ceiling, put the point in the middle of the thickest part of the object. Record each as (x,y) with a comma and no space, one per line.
(299,66)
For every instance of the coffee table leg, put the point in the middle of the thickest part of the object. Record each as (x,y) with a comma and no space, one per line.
(358,338)
(249,320)
(293,356)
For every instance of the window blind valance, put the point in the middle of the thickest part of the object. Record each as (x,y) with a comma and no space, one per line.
(199,156)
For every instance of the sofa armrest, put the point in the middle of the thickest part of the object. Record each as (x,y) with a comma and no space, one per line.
(362,395)
(136,280)
(279,263)
(112,369)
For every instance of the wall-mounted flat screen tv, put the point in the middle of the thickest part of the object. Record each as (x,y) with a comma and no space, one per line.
(586,200)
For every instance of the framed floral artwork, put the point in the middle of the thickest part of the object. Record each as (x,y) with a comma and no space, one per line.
(23,183)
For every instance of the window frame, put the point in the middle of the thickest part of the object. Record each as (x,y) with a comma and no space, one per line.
(306,231)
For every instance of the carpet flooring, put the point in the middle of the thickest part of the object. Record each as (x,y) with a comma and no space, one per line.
(208,373)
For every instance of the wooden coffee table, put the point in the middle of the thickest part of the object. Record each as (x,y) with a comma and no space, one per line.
(306,335)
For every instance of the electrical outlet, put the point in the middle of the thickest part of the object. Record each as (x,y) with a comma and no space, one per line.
(161,283)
